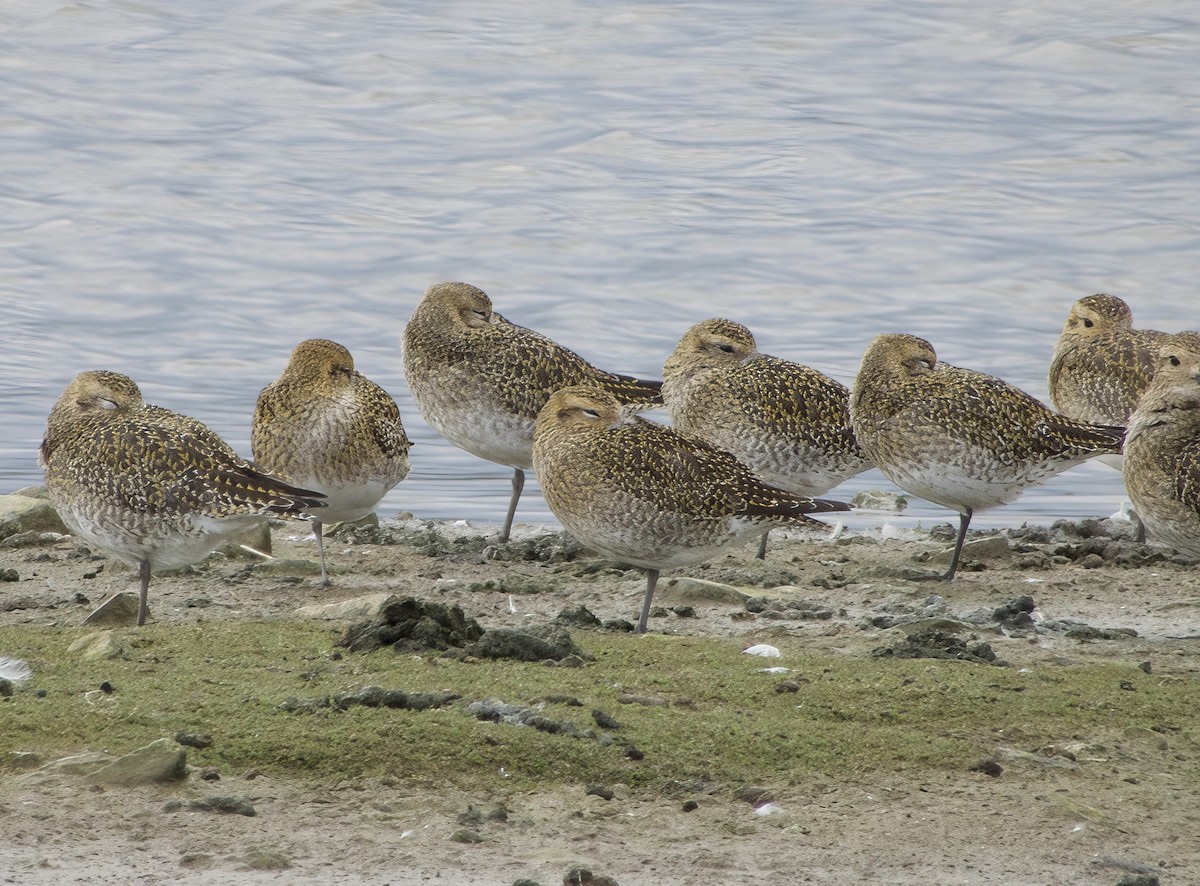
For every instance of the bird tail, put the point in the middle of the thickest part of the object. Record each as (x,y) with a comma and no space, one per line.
(631,391)
(272,494)
(1093,439)
(795,510)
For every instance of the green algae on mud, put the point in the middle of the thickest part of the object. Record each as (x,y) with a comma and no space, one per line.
(698,711)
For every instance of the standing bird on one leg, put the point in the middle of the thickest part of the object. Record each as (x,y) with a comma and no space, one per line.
(958,438)
(648,495)
(786,422)
(480,380)
(1162,450)
(325,426)
(153,488)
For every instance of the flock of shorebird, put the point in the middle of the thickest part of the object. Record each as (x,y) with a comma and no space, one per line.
(754,438)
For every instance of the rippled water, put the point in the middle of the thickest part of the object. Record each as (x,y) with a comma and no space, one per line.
(191,188)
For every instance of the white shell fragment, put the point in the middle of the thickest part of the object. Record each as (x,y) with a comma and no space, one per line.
(762,649)
(14,670)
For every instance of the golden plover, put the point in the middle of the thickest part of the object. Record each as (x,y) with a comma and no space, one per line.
(958,438)
(480,380)
(1101,364)
(648,495)
(786,422)
(322,425)
(1162,451)
(153,488)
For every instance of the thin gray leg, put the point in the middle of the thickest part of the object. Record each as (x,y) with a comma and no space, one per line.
(964,520)
(143,591)
(651,581)
(316,525)
(518,483)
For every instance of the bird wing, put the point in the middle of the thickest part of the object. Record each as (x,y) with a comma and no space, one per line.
(681,473)
(1187,476)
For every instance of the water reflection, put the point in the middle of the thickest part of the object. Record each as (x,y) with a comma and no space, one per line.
(188,194)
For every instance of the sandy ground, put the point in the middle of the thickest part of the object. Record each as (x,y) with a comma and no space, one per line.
(1094,819)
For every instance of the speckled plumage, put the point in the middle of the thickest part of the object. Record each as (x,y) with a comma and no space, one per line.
(1162,451)
(958,438)
(480,380)
(153,488)
(649,495)
(322,425)
(788,423)
(1101,364)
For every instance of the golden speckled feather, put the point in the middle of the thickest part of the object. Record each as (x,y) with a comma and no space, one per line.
(1162,453)
(152,487)
(649,495)
(480,380)
(1102,365)
(961,439)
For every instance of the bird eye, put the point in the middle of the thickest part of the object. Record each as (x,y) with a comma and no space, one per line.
(1088,324)
(105,403)
(591,413)
(726,347)
(1174,361)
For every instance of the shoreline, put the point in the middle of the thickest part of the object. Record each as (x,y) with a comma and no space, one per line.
(1099,600)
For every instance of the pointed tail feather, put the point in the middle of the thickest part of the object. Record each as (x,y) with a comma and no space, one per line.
(631,391)
(270,493)
(795,509)
(1101,439)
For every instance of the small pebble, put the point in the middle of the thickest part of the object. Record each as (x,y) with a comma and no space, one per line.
(987,767)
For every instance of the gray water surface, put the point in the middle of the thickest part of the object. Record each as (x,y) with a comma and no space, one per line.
(191,188)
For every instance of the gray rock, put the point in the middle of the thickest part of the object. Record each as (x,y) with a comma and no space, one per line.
(534,643)
(39,492)
(879,500)
(288,567)
(943,624)
(256,537)
(118,611)
(993,547)
(231,805)
(699,590)
(1016,613)
(23,513)
(198,740)
(584,877)
(98,646)
(32,539)
(161,760)
(357,608)
(411,625)
(80,764)
(261,858)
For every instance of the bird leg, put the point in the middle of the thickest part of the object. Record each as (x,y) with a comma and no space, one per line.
(651,581)
(518,483)
(316,525)
(964,520)
(762,546)
(143,591)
